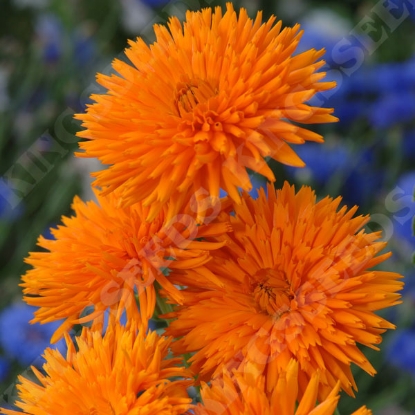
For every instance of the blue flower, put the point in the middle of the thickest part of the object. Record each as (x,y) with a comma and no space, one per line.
(351,97)
(363,179)
(154,3)
(321,162)
(408,143)
(48,30)
(393,77)
(323,28)
(10,205)
(4,368)
(21,340)
(400,351)
(381,93)
(355,172)
(84,45)
(396,11)
(408,291)
(402,205)
(393,108)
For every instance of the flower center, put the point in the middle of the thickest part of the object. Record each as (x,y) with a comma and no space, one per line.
(272,292)
(190,93)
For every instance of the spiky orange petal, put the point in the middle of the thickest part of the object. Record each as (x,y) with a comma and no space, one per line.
(209,99)
(124,372)
(246,394)
(105,255)
(295,282)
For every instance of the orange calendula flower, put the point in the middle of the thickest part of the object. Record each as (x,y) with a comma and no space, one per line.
(297,282)
(104,255)
(246,394)
(207,101)
(123,372)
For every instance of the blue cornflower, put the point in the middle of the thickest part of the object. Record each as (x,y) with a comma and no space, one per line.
(154,3)
(4,368)
(21,340)
(408,143)
(363,178)
(395,8)
(393,108)
(408,292)
(49,31)
(401,203)
(322,162)
(10,205)
(383,94)
(393,77)
(85,49)
(355,171)
(400,350)
(323,28)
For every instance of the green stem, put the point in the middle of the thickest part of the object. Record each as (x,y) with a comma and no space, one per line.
(161,305)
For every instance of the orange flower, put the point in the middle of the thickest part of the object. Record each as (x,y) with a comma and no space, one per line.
(106,254)
(205,102)
(296,283)
(124,372)
(246,394)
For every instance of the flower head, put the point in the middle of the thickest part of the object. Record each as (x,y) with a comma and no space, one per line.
(123,372)
(105,254)
(245,394)
(296,283)
(204,103)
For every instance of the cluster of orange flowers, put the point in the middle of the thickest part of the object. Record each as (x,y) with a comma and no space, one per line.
(266,299)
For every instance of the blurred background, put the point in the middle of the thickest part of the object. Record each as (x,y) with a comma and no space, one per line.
(50,51)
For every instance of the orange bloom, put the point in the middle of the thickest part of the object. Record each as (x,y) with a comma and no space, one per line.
(245,394)
(104,255)
(124,372)
(206,101)
(296,283)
